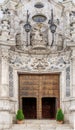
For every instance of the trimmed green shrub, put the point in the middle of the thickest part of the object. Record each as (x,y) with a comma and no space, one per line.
(20,115)
(59,115)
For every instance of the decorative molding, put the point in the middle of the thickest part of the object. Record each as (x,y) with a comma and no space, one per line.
(39,63)
(68,80)
(32,63)
(11,93)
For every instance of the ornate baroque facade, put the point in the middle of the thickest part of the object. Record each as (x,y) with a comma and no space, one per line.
(32,53)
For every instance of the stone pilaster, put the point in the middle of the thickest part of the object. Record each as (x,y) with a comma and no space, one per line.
(73,72)
(5,105)
(72,99)
(4,72)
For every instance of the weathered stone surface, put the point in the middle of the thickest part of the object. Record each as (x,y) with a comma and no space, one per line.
(41,125)
(32,53)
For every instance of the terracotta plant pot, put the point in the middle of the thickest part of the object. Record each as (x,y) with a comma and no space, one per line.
(20,121)
(60,122)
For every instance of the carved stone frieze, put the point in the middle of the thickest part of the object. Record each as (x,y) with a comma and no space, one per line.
(20,61)
(32,63)
(39,63)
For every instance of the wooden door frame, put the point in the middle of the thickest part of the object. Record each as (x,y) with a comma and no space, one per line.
(40,97)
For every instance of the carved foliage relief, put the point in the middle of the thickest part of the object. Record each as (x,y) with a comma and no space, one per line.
(37,63)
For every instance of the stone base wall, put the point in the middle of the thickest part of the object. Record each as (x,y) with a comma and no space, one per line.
(5,119)
(72,113)
(5,114)
(69,111)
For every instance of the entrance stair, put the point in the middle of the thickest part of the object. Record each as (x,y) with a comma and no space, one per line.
(41,125)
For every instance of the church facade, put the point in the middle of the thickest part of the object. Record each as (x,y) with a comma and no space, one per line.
(37,66)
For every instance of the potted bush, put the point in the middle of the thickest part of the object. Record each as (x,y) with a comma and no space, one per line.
(60,116)
(19,116)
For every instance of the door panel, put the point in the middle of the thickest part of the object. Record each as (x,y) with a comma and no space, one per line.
(39,86)
(29,108)
(48,108)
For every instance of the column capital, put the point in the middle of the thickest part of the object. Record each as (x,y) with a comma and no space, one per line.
(4,51)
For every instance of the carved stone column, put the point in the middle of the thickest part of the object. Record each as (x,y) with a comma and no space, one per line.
(5,105)
(4,72)
(73,71)
(72,100)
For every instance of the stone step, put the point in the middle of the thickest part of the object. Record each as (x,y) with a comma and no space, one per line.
(40,125)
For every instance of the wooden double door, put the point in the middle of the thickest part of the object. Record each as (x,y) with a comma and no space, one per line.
(39,95)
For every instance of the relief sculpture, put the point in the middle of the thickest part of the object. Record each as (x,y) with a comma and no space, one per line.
(39,37)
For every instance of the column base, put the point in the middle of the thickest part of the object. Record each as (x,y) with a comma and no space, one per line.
(5,120)
(72,116)
(5,113)
(72,112)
